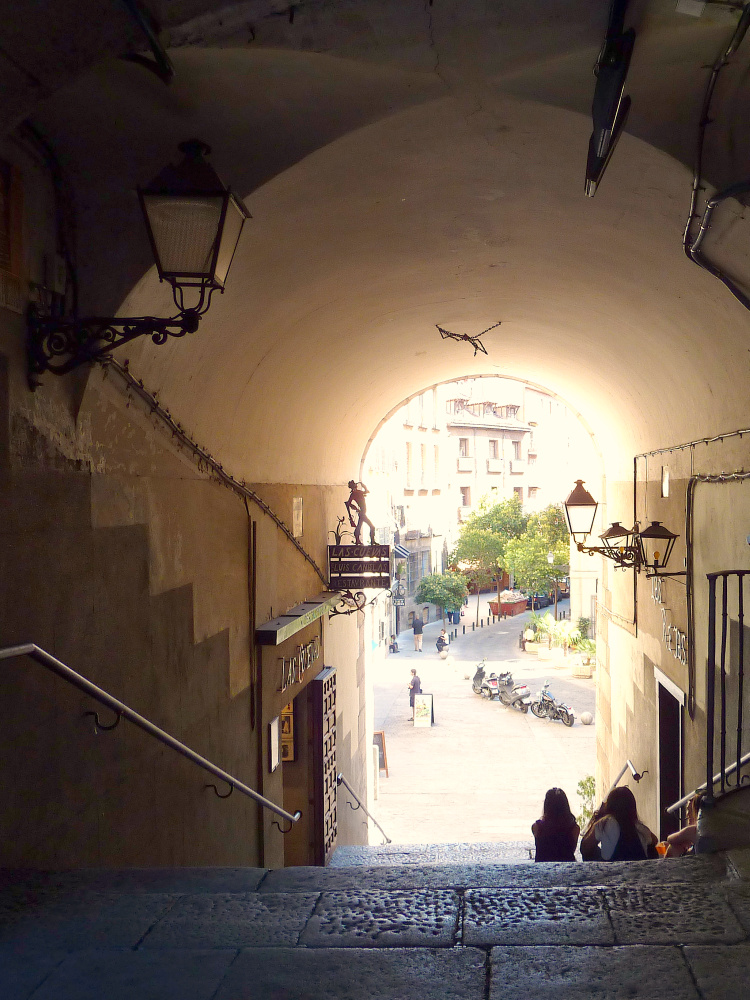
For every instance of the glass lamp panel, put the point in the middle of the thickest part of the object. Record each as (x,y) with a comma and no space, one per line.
(580,511)
(230,236)
(616,538)
(184,231)
(656,543)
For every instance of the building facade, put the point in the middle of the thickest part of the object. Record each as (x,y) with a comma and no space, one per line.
(449,449)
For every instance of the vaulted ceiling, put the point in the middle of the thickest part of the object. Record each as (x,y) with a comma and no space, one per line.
(407,164)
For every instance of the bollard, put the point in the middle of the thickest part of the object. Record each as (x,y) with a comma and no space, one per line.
(481,622)
(473,626)
(464,628)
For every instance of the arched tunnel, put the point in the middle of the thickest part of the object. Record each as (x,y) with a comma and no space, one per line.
(406,166)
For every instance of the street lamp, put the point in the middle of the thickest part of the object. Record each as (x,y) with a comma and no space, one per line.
(194,224)
(648,549)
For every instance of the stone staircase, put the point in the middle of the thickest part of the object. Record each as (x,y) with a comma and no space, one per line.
(476,930)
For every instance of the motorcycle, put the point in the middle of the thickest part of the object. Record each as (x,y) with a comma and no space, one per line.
(513,695)
(487,687)
(501,688)
(546,707)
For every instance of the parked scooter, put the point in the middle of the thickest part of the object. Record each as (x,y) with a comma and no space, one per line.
(487,687)
(546,707)
(513,695)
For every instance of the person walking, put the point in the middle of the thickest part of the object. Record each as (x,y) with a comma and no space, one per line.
(415,688)
(418,629)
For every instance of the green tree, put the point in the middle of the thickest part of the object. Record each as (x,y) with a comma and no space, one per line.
(446,590)
(526,557)
(550,524)
(480,554)
(505,517)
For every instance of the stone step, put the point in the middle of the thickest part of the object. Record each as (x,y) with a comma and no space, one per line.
(432,931)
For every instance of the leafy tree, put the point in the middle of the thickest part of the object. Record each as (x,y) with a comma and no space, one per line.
(505,517)
(526,557)
(480,554)
(550,524)
(446,590)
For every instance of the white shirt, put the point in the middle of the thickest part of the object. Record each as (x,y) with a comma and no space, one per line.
(607,833)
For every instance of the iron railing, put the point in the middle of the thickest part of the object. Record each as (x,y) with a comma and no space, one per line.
(122,711)
(636,775)
(341,780)
(725,681)
(701,788)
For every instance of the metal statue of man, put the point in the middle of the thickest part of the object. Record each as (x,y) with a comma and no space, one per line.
(357,503)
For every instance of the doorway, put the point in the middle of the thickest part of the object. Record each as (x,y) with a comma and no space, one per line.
(670,702)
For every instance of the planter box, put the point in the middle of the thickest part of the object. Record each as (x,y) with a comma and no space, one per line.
(515,608)
(581,667)
(532,647)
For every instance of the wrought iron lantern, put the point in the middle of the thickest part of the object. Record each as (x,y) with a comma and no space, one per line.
(194,224)
(619,543)
(648,549)
(580,511)
(656,543)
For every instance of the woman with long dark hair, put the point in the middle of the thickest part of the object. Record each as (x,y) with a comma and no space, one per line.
(615,833)
(556,833)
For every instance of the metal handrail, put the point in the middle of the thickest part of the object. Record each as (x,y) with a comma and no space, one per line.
(701,788)
(636,776)
(44,658)
(341,780)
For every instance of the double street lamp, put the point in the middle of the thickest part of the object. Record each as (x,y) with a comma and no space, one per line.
(646,549)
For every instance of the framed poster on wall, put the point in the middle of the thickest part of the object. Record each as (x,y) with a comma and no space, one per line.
(274,744)
(288,749)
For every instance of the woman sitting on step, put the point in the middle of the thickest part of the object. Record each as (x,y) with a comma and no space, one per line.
(556,833)
(614,832)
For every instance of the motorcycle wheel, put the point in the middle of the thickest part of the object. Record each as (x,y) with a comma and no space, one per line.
(537,710)
(524,708)
(565,717)
(486,694)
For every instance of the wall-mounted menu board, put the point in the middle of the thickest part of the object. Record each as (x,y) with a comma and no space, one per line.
(287,733)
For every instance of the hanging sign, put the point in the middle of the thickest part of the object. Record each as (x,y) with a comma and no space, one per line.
(359,567)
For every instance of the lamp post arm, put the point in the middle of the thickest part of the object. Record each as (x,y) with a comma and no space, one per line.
(60,344)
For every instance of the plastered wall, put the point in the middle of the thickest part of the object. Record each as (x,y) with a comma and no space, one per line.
(124,559)
(632,650)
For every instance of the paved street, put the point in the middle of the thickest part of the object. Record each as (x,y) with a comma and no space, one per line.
(480,773)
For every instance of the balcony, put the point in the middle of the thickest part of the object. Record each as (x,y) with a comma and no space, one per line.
(494,465)
(517,466)
(464,513)
(465,463)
